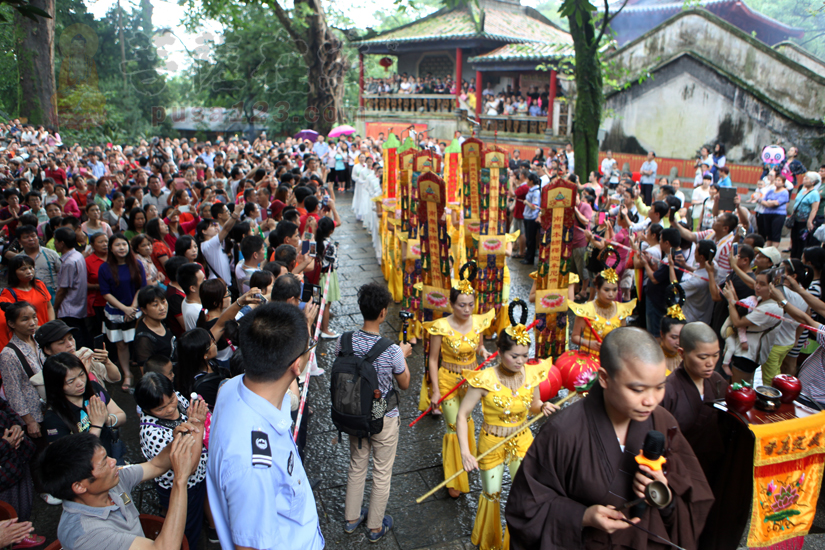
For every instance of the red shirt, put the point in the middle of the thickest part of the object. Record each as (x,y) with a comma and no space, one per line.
(520,192)
(94,297)
(303,221)
(58,175)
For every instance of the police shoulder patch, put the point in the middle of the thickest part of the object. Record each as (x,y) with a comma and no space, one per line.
(261,451)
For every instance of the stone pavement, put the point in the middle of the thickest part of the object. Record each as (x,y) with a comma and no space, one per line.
(439,523)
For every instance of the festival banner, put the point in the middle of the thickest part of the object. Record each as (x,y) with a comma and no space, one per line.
(452,172)
(788,463)
(558,198)
(471,176)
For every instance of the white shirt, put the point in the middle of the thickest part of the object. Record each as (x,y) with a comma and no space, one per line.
(190,314)
(610,169)
(217,260)
(698,302)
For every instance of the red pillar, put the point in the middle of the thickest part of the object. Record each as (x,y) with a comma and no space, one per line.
(551,99)
(478,93)
(458,67)
(361,80)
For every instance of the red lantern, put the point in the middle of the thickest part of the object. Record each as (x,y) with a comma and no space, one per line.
(572,363)
(385,62)
(551,386)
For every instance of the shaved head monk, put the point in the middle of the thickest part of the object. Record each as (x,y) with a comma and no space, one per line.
(581,468)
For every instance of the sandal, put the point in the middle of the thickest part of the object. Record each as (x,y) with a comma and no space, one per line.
(128,385)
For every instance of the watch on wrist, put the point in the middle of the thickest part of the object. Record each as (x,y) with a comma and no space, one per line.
(783,303)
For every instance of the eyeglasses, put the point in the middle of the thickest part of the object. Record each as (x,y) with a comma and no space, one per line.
(311,345)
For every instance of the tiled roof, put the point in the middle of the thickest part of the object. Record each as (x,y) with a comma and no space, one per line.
(531,51)
(498,24)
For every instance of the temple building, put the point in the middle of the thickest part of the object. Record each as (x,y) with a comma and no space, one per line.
(685,78)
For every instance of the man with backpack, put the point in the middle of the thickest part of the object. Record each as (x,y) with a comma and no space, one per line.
(367,361)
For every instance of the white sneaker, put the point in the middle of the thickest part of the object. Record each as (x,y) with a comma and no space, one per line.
(49,499)
(316,372)
(332,336)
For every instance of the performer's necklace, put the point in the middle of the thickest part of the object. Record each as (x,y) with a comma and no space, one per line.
(606,313)
(509,379)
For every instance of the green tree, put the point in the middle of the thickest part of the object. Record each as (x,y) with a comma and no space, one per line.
(34,49)
(321,48)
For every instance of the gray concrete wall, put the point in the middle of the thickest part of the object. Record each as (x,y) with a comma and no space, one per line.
(761,70)
(801,56)
(687,104)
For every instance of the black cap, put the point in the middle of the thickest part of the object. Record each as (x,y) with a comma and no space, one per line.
(52,332)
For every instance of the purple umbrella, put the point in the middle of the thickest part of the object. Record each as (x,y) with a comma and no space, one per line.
(343,130)
(311,135)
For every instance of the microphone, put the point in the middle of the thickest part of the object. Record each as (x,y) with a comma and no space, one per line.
(651,456)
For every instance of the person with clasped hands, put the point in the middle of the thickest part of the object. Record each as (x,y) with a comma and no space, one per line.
(98,510)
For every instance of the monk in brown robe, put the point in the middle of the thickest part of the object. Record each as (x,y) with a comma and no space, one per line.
(691,390)
(582,466)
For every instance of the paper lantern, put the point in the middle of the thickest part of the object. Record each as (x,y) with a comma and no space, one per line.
(572,363)
(551,386)
(385,62)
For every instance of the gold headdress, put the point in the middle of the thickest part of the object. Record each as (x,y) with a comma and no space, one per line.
(517,331)
(675,311)
(464,287)
(519,334)
(609,274)
(464,284)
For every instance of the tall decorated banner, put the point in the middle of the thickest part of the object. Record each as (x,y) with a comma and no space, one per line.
(410,245)
(471,180)
(492,282)
(435,256)
(391,219)
(452,172)
(435,247)
(558,199)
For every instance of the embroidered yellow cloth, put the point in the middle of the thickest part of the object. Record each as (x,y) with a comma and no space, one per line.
(457,347)
(601,325)
(787,476)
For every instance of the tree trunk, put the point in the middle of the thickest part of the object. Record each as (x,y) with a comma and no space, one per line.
(589,95)
(35,58)
(326,66)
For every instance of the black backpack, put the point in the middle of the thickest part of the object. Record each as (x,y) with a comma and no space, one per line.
(358,408)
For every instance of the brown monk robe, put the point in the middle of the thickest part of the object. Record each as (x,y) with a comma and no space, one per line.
(576,466)
(698,419)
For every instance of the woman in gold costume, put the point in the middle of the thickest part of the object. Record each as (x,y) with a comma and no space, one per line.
(455,341)
(508,393)
(601,315)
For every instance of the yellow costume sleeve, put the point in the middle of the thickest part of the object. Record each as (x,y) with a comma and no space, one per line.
(534,275)
(483,322)
(513,237)
(439,327)
(625,309)
(572,279)
(587,309)
(536,374)
(485,379)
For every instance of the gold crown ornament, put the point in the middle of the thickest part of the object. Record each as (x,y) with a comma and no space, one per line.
(465,287)
(675,312)
(609,274)
(519,333)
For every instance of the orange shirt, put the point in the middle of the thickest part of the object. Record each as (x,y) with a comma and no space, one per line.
(38,297)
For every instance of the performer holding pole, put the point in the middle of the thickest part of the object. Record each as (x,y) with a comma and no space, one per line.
(582,467)
(508,393)
(457,339)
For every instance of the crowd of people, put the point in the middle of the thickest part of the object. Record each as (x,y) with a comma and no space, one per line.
(501,99)
(192,275)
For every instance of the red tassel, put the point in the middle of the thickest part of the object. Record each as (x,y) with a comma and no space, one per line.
(800,465)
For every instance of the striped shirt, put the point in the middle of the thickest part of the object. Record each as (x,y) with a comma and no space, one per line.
(812,372)
(389,363)
(723,250)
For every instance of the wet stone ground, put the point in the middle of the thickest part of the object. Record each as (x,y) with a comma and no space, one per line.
(440,522)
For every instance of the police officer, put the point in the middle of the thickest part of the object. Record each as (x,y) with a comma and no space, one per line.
(258,489)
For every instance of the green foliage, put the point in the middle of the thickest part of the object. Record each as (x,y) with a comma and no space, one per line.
(23,8)
(805,14)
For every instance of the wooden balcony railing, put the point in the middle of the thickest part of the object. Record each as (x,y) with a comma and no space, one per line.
(515,124)
(410,103)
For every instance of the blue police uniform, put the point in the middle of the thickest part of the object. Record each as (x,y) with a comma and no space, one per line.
(258,490)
